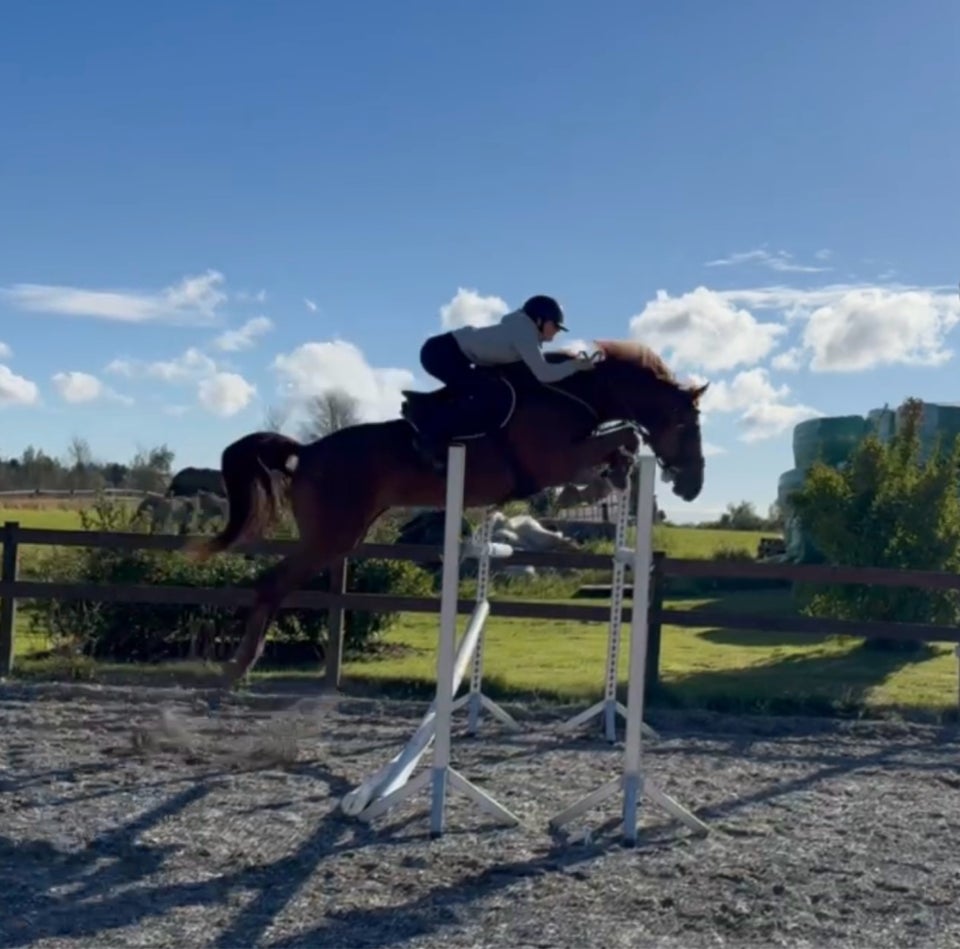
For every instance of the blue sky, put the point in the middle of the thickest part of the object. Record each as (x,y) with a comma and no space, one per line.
(764,192)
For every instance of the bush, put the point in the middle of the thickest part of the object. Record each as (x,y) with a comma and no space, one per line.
(152,632)
(362,629)
(886,509)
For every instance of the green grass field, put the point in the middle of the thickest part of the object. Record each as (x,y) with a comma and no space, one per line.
(675,541)
(50,518)
(699,665)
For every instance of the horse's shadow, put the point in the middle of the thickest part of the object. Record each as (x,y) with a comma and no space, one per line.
(105,886)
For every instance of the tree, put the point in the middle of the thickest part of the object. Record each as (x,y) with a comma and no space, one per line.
(329,413)
(79,454)
(742,516)
(150,469)
(83,469)
(274,418)
(887,509)
(115,474)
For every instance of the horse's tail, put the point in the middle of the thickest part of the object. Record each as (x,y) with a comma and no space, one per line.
(247,467)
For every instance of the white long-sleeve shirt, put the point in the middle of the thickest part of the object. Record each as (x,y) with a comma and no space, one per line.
(513,339)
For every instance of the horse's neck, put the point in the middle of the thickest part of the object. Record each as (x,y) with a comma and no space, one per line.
(587,388)
(598,389)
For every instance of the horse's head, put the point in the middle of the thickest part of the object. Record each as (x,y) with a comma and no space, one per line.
(640,388)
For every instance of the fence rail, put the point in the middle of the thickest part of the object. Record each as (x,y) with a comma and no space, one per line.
(338,600)
(11,494)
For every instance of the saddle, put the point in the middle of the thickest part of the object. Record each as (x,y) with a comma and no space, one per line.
(450,412)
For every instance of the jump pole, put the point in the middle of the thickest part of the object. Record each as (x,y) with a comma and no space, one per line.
(608,707)
(392,783)
(633,784)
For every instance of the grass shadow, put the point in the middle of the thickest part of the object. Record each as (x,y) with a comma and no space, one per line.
(825,683)
(778,603)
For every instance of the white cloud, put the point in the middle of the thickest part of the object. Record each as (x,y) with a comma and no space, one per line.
(222,393)
(853,327)
(763,408)
(79,387)
(310,305)
(5,351)
(192,301)
(468,308)
(245,336)
(574,345)
(745,389)
(225,393)
(709,449)
(316,368)
(702,329)
(788,361)
(245,296)
(188,367)
(779,260)
(868,328)
(770,419)
(16,390)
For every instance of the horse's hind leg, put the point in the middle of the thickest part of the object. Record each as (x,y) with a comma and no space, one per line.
(330,526)
(272,588)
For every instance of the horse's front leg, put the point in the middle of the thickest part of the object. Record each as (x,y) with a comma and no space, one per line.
(615,450)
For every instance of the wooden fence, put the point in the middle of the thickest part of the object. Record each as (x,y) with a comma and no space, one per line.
(338,600)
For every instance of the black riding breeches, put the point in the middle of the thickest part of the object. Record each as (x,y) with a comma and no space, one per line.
(474,391)
(443,358)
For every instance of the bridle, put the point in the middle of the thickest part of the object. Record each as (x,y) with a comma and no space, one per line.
(668,471)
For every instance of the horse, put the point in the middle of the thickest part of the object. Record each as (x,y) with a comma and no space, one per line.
(548,435)
(188,481)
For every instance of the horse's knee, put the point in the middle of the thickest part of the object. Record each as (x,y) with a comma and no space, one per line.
(631,441)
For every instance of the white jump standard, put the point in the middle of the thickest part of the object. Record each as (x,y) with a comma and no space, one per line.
(392,783)
(608,707)
(632,782)
(474,700)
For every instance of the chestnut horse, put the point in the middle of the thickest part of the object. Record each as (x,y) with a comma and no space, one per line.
(338,485)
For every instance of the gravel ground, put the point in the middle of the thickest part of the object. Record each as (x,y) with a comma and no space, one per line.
(138,818)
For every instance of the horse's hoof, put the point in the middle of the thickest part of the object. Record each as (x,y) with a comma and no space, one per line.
(230,675)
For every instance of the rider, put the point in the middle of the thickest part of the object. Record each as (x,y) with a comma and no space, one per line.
(454,356)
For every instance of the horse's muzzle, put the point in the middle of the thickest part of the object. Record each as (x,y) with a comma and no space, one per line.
(687,481)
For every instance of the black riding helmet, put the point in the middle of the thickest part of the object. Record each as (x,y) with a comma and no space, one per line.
(543,309)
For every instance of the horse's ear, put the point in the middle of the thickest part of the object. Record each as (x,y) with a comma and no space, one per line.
(696,393)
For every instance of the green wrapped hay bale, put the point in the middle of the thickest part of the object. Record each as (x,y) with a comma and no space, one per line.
(799,547)
(830,440)
(882,423)
(789,482)
(938,422)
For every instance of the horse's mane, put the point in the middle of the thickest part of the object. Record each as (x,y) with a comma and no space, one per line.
(627,351)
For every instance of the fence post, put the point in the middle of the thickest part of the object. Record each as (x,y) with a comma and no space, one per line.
(654,627)
(8,605)
(335,627)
